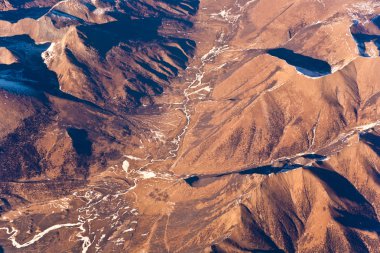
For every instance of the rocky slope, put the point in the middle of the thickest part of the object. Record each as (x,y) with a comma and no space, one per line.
(189,126)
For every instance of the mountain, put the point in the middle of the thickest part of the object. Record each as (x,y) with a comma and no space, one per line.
(189,126)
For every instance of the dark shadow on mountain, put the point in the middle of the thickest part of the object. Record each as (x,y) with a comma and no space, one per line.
(191,180)
(149,69)
(361,38)
(141,83)
(175,8)
(203,180)
(266,170)
(189,6)
(4,206)
(376,21)
(356,220)
(361,214)
(105,36)
(81,143)
(169,69)
(30,76)
(306,65)
(316,157)
(31,66)
(141,80)
(13,16)
(215,248)
(339,185)
(372,140)
(83,148)
(177,55)
(18,155)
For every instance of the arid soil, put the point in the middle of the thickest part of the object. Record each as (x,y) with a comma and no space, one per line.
(189,126)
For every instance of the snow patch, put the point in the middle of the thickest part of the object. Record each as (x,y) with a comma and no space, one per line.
(360,10)
(158,136)
(130,157)
(215,51)
(48,55)
(101,11)
(147,174)
(125,166)
(227,16)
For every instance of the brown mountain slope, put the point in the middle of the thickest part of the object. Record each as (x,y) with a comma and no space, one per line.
(279,122)
(187,126)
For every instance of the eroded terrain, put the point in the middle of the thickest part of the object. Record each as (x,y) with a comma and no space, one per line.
(189,126)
